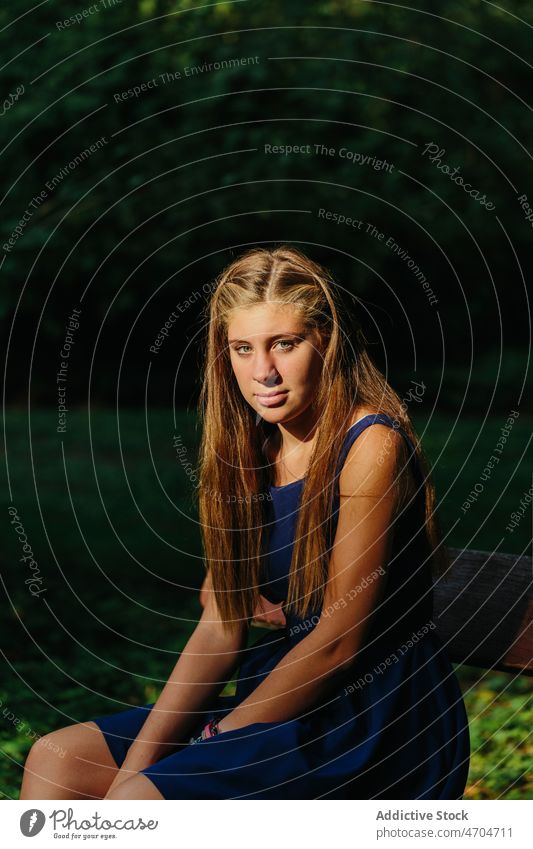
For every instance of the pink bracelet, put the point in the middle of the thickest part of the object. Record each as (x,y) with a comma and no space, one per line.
(211,729)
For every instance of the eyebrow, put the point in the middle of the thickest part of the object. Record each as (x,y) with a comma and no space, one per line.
(301,335)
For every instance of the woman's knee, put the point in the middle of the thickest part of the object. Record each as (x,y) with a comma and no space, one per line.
(51,747)
(76,759)
(136,787)
(46,768)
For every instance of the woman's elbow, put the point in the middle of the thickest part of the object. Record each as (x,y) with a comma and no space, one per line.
(221,639)
(337,654)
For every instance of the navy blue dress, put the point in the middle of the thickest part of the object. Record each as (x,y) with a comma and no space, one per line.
(393,727)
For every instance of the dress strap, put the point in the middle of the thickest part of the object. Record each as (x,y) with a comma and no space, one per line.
(379,418)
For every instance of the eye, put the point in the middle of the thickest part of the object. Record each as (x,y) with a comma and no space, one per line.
(286,342)
(290,342)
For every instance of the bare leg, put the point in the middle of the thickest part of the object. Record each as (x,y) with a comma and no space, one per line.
(137,787)
(71,763)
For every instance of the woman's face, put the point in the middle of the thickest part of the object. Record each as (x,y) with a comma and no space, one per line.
(273,354)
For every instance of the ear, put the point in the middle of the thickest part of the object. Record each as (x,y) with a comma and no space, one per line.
(320,342)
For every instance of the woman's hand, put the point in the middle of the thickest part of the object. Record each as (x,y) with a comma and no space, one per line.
(266,613)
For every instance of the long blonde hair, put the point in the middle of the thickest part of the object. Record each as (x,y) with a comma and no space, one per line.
(234,464)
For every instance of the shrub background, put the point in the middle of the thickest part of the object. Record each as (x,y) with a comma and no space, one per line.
(176,183)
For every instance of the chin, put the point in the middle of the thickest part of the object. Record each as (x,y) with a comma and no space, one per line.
(272,414)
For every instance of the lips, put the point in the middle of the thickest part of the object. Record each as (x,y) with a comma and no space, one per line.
(272,398)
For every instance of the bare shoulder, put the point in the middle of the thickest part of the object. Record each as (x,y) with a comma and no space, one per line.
(372,461)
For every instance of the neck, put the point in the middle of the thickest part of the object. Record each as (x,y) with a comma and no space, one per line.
(298,434)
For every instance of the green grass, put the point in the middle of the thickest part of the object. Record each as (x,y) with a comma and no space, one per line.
(119,552)
(500,712)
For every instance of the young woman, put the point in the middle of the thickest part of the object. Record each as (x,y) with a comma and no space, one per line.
(314,495)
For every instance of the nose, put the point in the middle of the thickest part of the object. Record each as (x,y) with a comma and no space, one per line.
(266,374)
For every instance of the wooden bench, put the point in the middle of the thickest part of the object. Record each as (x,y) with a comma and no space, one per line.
(483,610)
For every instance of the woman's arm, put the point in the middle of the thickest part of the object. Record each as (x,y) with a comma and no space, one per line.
(267,614)
(368,503)
(203,667)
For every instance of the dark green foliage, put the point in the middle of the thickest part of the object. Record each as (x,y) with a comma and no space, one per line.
(180,184)
(183,181)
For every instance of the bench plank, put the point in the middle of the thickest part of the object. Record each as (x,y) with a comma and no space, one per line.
(483,610)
